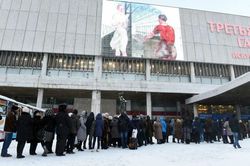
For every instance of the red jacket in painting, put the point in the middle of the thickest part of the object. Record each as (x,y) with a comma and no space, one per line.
(166,33)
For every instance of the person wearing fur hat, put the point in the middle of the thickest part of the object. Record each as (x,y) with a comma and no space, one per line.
(9,129)
(63,126)
(24,131)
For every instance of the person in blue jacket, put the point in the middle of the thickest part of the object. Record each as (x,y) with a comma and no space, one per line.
(99,126)
(164,129)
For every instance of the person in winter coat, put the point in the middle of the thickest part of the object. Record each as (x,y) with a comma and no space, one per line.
(24,131)
(158,131)
(82,131)
(164,129)
(242,131)
(49,131)
(172,127)
(187,129)
(196,130)
(123,128)
(235,127)
(149,130)
(228,130)
(63,126)
(9,129)
(75,124)
(99,126)
(209,130)
(38,132)
(115,132)
(90,125)
(142,131)
(106,131)
(178,130)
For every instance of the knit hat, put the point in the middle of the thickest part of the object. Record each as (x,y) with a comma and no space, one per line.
(25,109)
(62,107)
(14,107)
(49,113)
(106,115)
(37,113)
(75,111)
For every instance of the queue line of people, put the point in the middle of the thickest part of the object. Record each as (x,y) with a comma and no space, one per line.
(77,130)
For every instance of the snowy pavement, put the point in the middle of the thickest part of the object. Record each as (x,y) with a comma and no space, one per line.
(169,154)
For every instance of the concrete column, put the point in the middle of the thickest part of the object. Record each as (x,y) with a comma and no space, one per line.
(96,102)
(192,73)
(238,113)
(44,64)
(195,110)
(178,106)
(148,68)
(98,67)
(39,100)
(232,74)
(149,104)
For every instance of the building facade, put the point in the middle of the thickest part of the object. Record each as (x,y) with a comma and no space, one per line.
(54,51)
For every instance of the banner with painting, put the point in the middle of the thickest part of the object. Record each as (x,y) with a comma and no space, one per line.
(141,30)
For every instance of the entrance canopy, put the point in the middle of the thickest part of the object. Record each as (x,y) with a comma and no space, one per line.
(20,104)
(233,92)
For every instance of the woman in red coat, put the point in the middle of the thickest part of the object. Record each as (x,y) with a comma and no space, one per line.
(166,49)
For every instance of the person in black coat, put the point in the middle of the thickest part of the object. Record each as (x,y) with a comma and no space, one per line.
(89,124)
(187,128)
(37,134)
(235,127)
(75,124)
(63,126)
(149,130)
(115,132)
(24,131)
(49,131)
(106,131)
(123,128)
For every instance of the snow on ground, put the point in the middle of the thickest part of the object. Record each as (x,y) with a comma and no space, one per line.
(169,154)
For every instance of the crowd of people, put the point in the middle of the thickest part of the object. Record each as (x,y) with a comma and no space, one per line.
(80,130)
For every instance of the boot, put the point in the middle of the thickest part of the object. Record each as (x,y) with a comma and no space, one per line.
(45,151)
(84,145)
(173,139)
(79,146)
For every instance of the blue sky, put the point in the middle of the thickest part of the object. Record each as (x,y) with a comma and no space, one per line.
(240,7)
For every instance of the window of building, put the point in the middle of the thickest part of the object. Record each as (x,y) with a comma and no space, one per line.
(239,70)
(71,62)
(212,70)
(118,65)
(21,59)
(169,67)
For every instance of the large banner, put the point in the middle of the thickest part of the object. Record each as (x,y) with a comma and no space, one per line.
(141,30)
